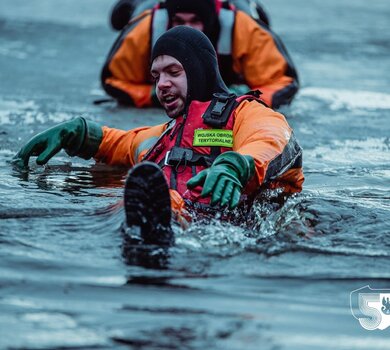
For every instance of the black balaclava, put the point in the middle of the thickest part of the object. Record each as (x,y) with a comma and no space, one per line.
(197,55)
(206,11)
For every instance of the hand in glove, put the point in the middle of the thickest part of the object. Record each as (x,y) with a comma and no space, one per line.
(225,179)
(77,137)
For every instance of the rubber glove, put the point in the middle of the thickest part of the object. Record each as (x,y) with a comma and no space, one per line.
(77,137)
(225,179)
(239,89)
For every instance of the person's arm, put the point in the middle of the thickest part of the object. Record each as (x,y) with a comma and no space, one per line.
(86,139)
(260,56)
(78,137)
(125,74)
(264,135)
(264,152)
(126,148)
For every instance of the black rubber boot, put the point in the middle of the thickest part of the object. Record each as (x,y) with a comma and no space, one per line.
(148,204)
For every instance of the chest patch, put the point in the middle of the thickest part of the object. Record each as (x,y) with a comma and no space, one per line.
(213,137)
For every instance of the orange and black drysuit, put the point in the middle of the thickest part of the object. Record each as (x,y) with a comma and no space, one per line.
(255,130)
(248,53)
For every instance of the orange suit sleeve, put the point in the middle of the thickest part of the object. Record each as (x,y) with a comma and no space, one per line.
(126,148)
(262,59)
(265,135)
(125,75)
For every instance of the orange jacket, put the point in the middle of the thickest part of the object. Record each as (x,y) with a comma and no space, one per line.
(258,56)
(258,131)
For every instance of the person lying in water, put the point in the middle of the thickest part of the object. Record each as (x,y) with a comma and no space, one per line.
(250,55)
(216,149)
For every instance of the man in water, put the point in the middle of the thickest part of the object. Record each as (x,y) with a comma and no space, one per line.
(216,150)
(250,55)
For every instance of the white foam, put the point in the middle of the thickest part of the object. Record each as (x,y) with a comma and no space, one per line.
(349,99)
(54,320)
(6,152)
(297,341)
(8,108)
(27,113)
(347,152)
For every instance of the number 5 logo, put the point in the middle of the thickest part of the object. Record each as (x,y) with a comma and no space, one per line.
(369,306)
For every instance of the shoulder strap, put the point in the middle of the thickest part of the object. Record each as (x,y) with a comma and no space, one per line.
(253,95)
(218,112)
(222,105)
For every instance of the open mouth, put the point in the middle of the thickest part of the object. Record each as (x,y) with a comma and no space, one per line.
(170,101)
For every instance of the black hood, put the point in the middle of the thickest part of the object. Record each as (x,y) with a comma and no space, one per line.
(204,9)
(197,55)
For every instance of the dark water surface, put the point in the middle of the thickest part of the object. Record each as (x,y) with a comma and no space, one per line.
(285,284)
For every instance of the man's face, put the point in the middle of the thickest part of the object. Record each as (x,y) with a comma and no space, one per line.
(187,19)
(171,84)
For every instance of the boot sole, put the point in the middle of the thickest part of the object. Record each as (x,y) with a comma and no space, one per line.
(148,204)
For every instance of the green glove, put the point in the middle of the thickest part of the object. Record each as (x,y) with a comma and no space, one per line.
(77,137)
(239,89)
(225,179)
